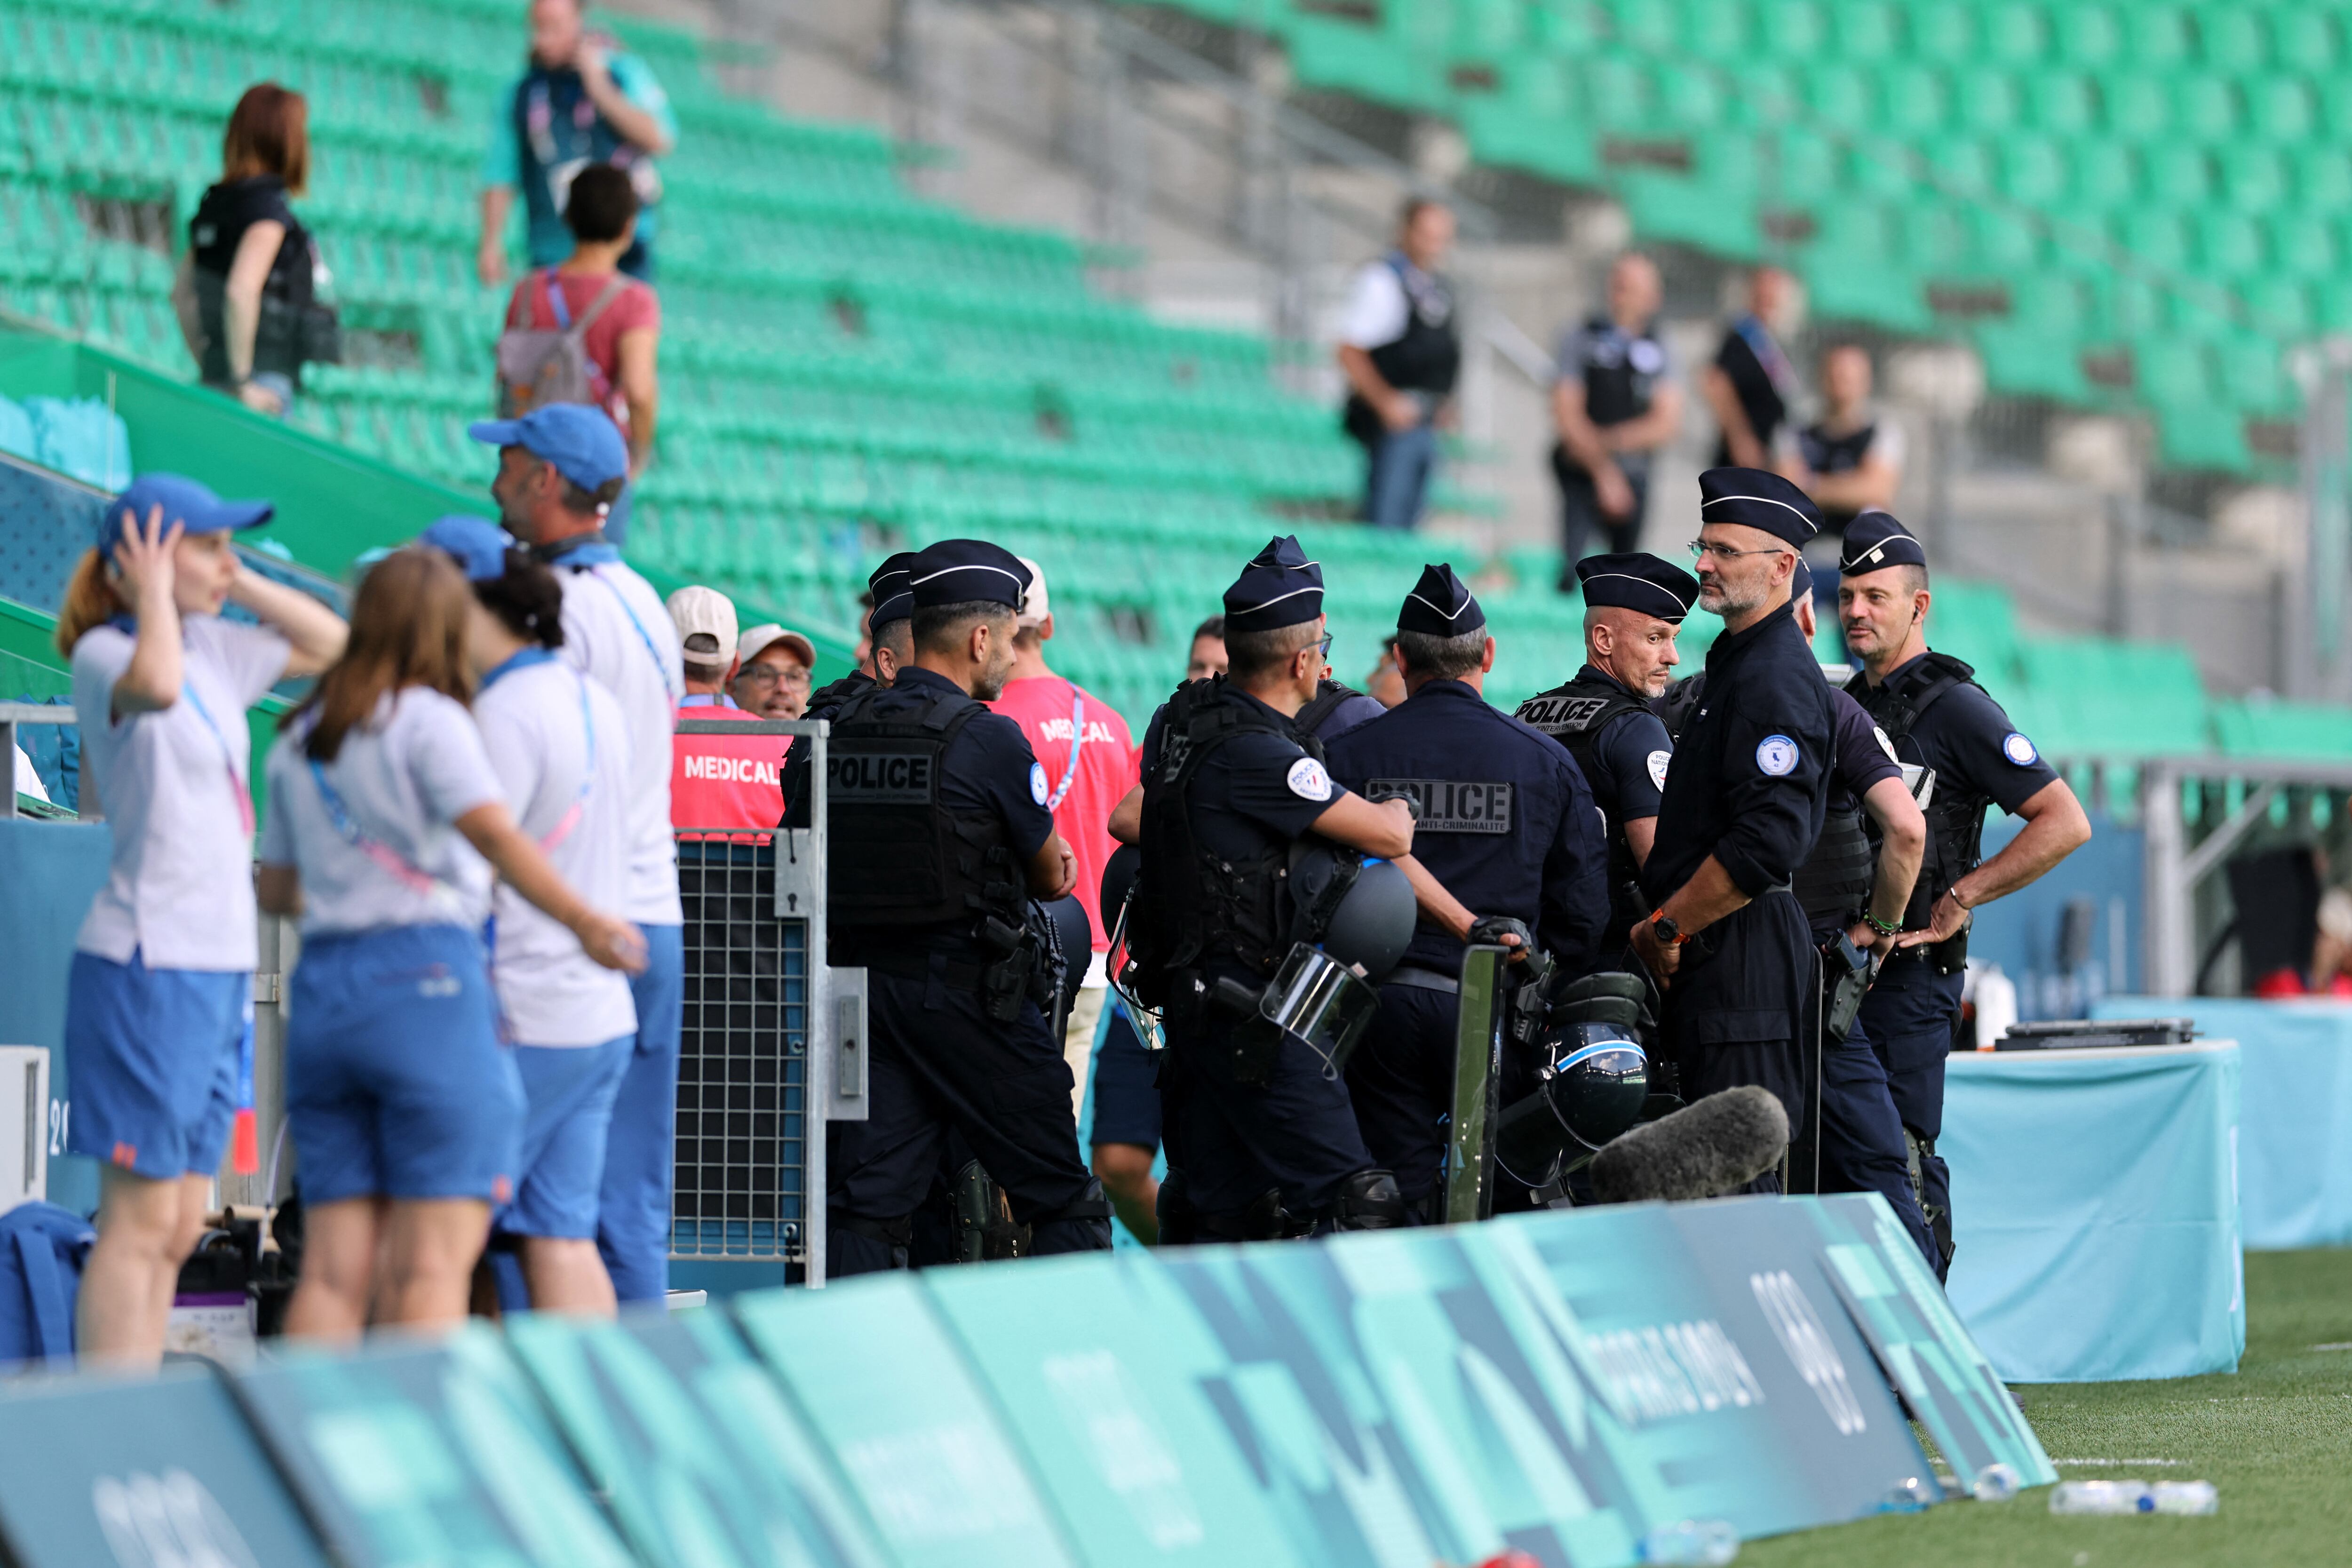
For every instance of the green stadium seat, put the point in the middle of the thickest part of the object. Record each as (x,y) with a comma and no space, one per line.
(2090,36)
(2231,37)
(2061,102)
(1866,31)
(2104,176)
(2016,33)
(2032,170)
(2159,36)
(2246,727)
(2136,106)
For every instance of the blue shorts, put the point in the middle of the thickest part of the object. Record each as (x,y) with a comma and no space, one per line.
(151,1064)
(568,1093)
(396,1085)
(1126,1086)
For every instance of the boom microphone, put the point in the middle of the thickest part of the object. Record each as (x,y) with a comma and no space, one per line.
(1704,1150)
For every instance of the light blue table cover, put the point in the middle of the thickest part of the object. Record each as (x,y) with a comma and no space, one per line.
(2096,1212)
(2294,1156)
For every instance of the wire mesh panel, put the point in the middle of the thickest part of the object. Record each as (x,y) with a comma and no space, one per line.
(742,1129)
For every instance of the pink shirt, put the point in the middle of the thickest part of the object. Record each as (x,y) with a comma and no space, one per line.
(1106,769)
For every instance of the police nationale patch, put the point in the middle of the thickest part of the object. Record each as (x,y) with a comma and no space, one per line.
(2019,749)
(1308,780)
(1885,745)
(1776,756)
(1452,806)
(1657,762)
(1039,790)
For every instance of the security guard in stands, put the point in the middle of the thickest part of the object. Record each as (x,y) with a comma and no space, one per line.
(1741,808)
(887,646)
(1634,606)
(1512,852)
(1930,707)
(939,839)
(1262,1142)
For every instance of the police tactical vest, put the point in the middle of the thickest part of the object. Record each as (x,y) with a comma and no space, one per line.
(1827,454)
(1575,715)
(1834,881)
(1618,372)
(899,857)
(1328,694)
(1955,815)
(1428,357)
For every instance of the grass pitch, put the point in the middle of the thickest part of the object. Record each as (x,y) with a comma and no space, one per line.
(2276,1440)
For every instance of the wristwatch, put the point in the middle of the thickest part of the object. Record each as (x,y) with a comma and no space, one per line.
(1662,927)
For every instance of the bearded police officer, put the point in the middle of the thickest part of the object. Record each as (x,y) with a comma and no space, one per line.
(1931,708)
(1512,848)
(1261,1142)
(939,836)
(1741,807)
(1634,606)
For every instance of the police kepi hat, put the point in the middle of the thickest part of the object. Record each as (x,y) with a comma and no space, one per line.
(182,501)
(583,443)
(1441,604)
(966,571)
(1279,587)
(1753,498)
(1876,541)
(476,543)
(892,601)
(1637,581)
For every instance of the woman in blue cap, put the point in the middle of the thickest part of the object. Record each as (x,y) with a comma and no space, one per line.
(159,999)
(405,1107)
(559,744)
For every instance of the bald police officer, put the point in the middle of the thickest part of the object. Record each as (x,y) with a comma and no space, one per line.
(1506,846)
(1931,708)
(1634,606)
(1741,808)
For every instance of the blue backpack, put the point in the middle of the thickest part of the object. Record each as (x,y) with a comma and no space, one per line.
(42,1249)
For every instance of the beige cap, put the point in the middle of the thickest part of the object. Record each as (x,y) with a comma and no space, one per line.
(1034,607)
(706,623)
(759,638)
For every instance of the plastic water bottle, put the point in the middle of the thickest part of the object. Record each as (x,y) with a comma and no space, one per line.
(1995,1483)
(2102,1497)
(1909,1495)
(2187,1496)
(1692,1543)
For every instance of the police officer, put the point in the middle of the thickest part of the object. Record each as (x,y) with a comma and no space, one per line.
(1263,1142)
(939,836)
(1634,606)
(1614,407)
(1511,848)
(1741,808)
(887,646)
(1937,716)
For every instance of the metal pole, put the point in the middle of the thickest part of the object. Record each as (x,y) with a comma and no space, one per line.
(2166,891)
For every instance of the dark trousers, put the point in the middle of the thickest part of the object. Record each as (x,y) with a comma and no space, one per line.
(1580,516)
(939,1063)
(1862,1136)
(1234,1141)
(1401,1081)
(1910,1015)
(1735,1011)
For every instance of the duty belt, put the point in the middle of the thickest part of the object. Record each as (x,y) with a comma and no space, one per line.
(1424,979)
(962,975)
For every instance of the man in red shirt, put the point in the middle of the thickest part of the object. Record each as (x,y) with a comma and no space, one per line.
(718,781)
(1082,744)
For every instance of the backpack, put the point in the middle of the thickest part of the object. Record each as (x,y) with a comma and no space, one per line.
(536,367)
(42,1250)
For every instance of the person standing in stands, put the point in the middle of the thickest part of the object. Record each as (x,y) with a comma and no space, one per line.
(1401,350)
(160,1000)
(1750,388)
(718,781)
(1614,408)
(560,467)
(771,672)
(1090,764)
(1850,460)
(249,278)
(579,103)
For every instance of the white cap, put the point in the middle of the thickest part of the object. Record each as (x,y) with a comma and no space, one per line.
(760,637)
(1034,607)
(703,612)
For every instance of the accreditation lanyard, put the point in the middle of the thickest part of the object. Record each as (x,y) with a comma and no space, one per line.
(598,553)
(128,626)
(1077,739)
(564,829)
(397,865)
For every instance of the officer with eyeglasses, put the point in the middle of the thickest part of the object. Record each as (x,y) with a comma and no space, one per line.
(1743,803)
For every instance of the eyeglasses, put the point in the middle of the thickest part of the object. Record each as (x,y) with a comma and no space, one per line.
(1700,549)
(769,675)
(1323,648)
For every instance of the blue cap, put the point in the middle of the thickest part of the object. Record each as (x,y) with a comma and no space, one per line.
(893,601)
(1754,498)
(583,443)
(1279,587)
(1635,579)
(1876,541)
(184,501)
(1800,581)
(1441,604)
(965,570)
(476,543)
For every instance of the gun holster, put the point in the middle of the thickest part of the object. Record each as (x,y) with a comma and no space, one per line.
(1007,982)
(1845,981)
(1529,1009)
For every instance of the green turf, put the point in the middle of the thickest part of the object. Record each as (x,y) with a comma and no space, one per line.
(2276,1440)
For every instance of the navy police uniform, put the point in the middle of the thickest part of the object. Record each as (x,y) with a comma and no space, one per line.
(1937,716)
(1503,821)
(888,584)
(936,808)
(1747,786)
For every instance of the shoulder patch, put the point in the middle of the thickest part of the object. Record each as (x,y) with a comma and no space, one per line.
(1776,756)
(1657,764)
(1886,745)
(2019,749)
(1308,780)
(1038,789)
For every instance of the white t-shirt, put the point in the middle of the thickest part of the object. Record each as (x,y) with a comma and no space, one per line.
(549,761)
(383,852)
(174,785)
(1377,310)
(616,628)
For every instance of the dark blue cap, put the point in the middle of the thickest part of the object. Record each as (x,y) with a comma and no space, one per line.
(184,501)
(1441,604)
(965,570)
(1801,581)
(1640,582)
(583,443)
(1754,498)
(476,543)
(1875,541)
(892,601)
(1279,587)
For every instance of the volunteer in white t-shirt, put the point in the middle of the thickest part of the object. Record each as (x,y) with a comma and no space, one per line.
(560,747)
(160,1003)
(405,1109)
(559,468)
